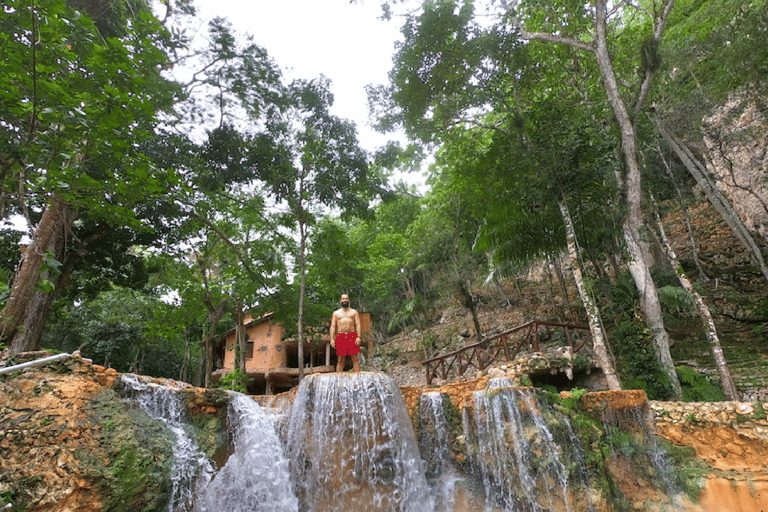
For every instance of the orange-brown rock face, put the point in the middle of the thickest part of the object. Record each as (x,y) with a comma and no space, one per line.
(44,424)
(731,438)
(70,443)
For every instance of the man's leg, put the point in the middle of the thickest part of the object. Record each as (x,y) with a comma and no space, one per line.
(340,364)
(355,363)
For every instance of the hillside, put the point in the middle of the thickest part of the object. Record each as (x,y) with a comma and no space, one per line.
(735,292)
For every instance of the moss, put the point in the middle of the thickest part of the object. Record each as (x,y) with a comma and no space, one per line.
(455,430)
(211,434)
(689,471)
(133,468)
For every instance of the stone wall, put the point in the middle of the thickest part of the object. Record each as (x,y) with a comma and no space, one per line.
(731,438)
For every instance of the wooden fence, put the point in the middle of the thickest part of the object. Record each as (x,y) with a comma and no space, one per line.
(498,348)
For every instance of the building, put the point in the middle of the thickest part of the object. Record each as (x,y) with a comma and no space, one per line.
(273,362)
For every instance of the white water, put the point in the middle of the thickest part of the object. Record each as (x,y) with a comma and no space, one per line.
(434,444)
(347,444)
(255,478)
(352,446)
(522,466)
(164,403)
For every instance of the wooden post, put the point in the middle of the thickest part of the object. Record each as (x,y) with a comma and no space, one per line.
(327,354)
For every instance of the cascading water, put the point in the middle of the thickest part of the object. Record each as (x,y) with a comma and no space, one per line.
(165,403)
(255,477)
(630,435)
(523,467)
(434,445)
(352,447)
(347,443)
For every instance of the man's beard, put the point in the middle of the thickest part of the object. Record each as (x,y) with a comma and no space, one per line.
(345,304)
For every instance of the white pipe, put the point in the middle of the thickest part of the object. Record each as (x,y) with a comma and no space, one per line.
(9,369)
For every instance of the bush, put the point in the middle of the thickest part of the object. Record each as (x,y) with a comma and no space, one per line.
(697,387)
(638,364)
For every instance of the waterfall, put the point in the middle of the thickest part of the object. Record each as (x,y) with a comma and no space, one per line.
(629,431)
(255,477)
(523,466)
(346,442)
(434,445)
(352,447)
(164,403)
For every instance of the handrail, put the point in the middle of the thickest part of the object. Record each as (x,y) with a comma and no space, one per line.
(496,348)
(20,366)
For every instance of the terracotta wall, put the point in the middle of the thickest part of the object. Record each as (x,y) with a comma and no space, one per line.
(268,348)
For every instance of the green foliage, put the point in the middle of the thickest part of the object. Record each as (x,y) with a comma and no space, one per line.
(116,329)
(638,365)
(76,104)
(50,267)
(761,313)
(6,498)
(697,387)
(139,452)
(711,48)
(236,380)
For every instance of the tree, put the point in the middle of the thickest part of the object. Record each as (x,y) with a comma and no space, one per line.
(78,99)
(596,41)
(726,380)
(463,86)
(311,158)
(509,143)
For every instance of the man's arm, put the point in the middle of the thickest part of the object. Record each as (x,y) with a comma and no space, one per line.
(358,330)
(332,331)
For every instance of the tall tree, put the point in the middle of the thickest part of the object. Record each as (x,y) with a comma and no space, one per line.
(309,159)
(510,138)
(464,82)
(595,37)
(78,99)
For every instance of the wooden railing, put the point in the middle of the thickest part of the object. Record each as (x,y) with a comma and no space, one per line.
(497,348)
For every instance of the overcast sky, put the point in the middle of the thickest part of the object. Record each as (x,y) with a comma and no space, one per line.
(344,41)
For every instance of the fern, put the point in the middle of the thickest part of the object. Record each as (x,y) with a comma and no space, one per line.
(675,298)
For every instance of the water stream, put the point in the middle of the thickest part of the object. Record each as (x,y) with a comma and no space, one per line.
(435,447)
(521,463)
(352,447)
(346,442)
(165,403)
(255,477)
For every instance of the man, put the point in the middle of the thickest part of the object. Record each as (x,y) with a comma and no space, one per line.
(345,334)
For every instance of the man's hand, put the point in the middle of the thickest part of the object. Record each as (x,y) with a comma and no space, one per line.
(357,341)
(333,343)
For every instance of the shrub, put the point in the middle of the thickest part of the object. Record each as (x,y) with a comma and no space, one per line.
(697,387)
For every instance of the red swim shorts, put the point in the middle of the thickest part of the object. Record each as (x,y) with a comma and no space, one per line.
(345,344)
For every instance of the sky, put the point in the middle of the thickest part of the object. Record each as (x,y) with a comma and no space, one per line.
(346,42)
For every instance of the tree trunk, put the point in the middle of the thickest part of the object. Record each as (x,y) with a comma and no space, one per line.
(593,313)
(688,225)
(240,346)
(638,266)
(714,195)
(469,302)
(726,380)
(23,318)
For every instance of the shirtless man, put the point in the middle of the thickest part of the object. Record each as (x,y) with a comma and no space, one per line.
(345,334)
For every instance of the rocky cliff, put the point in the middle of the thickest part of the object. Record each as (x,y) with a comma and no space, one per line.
(70,441)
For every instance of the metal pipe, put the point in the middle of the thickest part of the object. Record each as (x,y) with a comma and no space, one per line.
(10,369)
